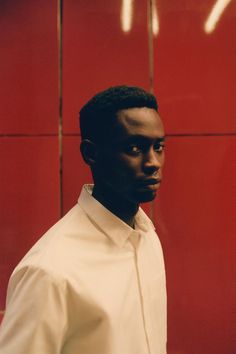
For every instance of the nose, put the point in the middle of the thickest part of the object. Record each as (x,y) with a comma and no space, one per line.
(152,161)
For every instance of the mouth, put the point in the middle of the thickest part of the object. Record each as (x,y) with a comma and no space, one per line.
(151,184)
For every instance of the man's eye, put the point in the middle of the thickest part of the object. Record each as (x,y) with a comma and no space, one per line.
(133,149)
(159,148)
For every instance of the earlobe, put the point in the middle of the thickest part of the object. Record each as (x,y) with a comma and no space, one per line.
(89,152)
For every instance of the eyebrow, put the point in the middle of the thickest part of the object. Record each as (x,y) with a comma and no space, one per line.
(138,137)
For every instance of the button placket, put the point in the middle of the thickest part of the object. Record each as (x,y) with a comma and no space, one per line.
(135,240)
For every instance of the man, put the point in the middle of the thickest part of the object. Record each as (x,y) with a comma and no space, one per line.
(95,282)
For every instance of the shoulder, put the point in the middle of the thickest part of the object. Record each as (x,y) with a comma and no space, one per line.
(51,253)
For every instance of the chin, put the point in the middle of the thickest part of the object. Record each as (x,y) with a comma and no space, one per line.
(147,197)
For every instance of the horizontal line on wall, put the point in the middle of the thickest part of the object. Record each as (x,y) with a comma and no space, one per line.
(28,135)
(78,135)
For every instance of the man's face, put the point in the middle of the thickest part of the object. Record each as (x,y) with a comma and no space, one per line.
(131,163)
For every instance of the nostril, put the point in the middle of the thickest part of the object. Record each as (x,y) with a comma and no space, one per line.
(150,169)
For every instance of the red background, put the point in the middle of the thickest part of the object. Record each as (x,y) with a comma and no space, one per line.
(193,75)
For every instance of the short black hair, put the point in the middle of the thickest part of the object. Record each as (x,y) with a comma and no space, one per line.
(99,113)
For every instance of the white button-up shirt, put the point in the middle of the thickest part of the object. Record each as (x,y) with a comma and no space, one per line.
(90,285)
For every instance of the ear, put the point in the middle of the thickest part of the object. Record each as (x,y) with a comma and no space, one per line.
(89,151)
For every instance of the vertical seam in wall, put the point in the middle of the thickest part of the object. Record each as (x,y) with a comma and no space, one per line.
(150,46)
(151,68)
(60,120)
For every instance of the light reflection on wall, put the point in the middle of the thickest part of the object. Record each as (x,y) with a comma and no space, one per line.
(215,15)
(155,20)
(127,15)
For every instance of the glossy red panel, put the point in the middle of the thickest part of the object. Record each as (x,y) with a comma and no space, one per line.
(29,70)
(97,53)
(195,215)
(75,172)
(195,71)
(29,189)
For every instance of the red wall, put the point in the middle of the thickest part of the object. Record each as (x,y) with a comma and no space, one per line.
(29,179)
(194,77)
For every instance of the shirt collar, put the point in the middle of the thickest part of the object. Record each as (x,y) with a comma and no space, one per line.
(117,230)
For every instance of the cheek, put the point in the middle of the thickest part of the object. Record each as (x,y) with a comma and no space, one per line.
(124,170)
(130,166)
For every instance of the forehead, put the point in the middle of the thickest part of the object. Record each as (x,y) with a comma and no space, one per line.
(139,121)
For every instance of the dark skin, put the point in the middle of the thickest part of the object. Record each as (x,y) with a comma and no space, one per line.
(127,169)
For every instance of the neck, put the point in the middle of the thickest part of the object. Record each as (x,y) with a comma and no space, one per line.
(122,208)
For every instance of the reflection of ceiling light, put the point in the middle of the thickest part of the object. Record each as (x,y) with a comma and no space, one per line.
(215,14)
(126,15)
(155,21)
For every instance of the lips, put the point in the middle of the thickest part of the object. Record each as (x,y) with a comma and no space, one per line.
(150,183)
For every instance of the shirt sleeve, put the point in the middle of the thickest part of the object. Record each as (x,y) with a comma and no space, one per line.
(36,315)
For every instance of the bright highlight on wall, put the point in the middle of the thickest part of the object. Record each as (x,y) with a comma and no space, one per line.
(155,20)
(215,15)
(127,15)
